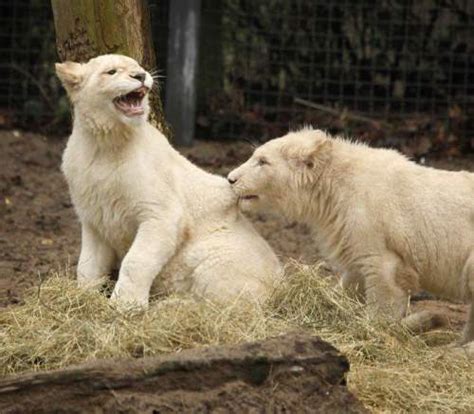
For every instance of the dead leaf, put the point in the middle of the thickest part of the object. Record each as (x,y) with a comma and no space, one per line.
(424,145)
(455,112)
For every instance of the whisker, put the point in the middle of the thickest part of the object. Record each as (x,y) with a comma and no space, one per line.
(155,71)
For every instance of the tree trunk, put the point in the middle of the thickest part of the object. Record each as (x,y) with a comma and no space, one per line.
(88,28)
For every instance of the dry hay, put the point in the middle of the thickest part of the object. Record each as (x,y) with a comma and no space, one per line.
(391,370)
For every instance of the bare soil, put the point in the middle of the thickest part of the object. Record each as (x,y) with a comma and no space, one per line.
(39,231)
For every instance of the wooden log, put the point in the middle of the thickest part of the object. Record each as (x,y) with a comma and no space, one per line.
(292,373)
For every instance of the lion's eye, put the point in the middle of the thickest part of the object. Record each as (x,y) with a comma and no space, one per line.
(262,161)
(112,72)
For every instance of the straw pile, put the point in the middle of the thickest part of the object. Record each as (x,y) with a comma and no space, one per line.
(391,370)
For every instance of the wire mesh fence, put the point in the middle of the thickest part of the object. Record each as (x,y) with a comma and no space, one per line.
(361,62)
(384,59)
(29,92)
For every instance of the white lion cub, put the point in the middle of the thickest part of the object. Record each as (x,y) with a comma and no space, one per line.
(144,206)
(392,226)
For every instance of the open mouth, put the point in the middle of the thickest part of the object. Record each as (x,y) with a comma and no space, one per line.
(131,104)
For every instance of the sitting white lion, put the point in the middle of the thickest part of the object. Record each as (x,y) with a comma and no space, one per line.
(391,226)
(144,206)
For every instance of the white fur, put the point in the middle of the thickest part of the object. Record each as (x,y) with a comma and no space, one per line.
(391,226)
(145,207)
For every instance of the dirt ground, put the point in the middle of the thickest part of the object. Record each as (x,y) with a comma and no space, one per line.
(39,231)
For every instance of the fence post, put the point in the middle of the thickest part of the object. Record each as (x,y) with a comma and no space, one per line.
(183,44)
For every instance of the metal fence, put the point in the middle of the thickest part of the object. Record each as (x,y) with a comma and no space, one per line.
(358,61)
(384,59)
(28,88)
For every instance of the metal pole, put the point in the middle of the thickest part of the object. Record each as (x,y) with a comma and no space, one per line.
(183,45)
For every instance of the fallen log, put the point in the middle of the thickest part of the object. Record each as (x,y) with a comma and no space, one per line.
(290,373)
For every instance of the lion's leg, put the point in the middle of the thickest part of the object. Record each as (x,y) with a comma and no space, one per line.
(389,292)
(234,264)
(154,244)
(353,283)
(233,276)
(96,260)
(383,292)
(424,321)
(209,284)
(386,298)
(468,333)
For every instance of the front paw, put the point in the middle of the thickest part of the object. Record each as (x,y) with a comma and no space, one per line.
(90,283)
(461,349)
(424,321)
(126,298)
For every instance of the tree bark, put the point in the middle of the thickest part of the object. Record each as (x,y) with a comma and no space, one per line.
(88,28)
(291,373)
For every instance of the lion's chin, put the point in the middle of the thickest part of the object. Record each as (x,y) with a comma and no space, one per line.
(249,202)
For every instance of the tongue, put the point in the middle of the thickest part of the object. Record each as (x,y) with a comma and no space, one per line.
(130,106)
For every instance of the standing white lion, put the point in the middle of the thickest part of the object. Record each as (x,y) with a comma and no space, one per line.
(391,226)
(144,206)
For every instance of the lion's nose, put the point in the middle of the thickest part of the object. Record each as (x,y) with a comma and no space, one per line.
(231,179)
(139,76)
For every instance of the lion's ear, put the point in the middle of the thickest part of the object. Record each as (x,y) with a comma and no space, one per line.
(316,156)
(71,75)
